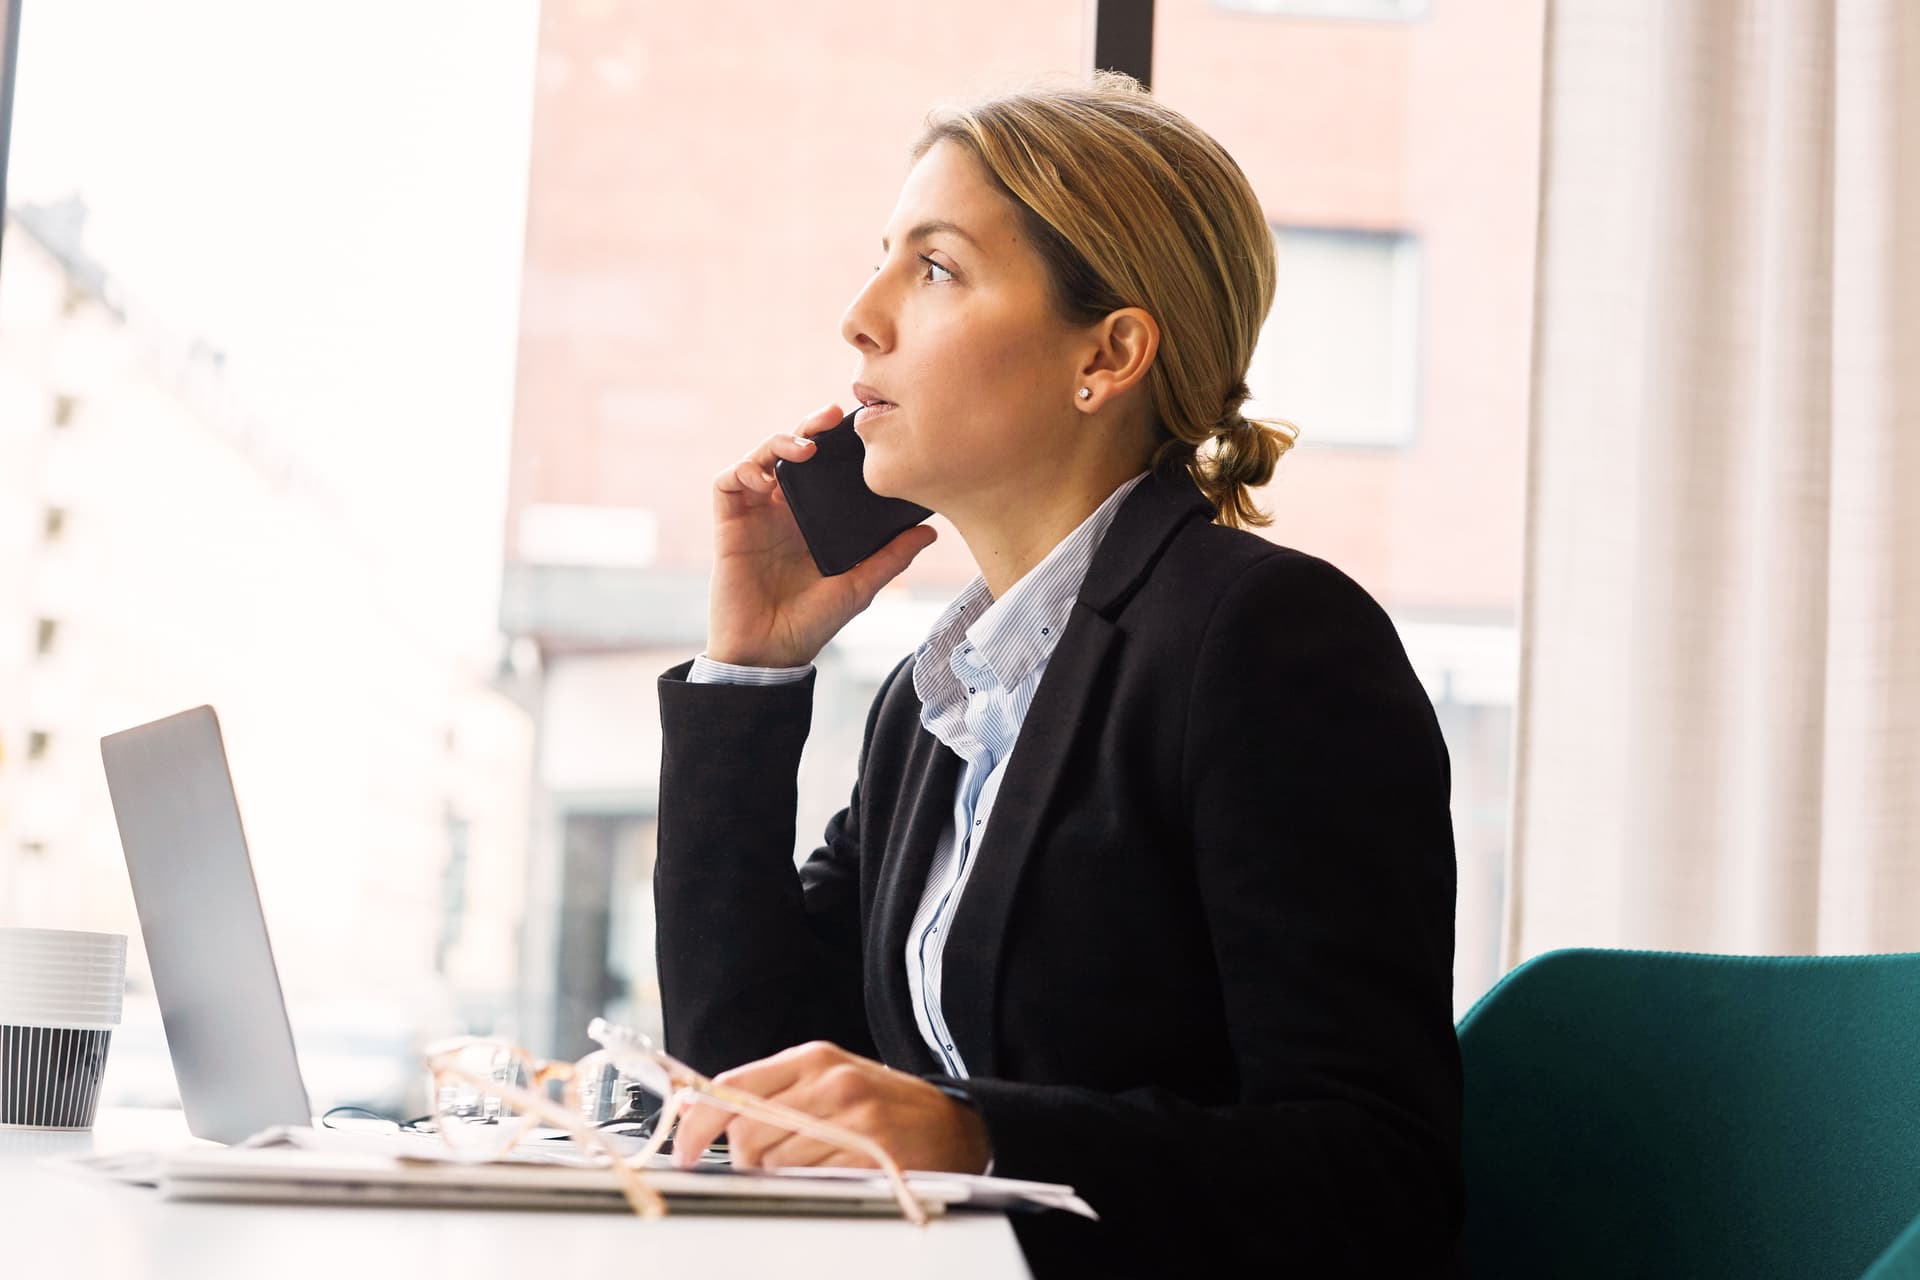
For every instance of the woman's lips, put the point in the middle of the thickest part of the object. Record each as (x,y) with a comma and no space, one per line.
(869,412)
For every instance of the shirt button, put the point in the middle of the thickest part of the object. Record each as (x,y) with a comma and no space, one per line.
(979,821)
(971,689)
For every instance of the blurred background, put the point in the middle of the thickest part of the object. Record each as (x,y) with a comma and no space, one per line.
(363,368)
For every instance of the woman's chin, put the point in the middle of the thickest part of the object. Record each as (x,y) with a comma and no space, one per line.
(886,479)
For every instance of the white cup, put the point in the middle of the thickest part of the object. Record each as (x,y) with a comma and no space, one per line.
(60,993)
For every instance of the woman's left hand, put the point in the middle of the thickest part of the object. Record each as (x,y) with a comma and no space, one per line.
(915,1123)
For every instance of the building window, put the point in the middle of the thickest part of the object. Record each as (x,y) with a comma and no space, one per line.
(53,524)
(1364,10)
(37,744)
(64,407)
(46,635)
(1340,354)
(453,889)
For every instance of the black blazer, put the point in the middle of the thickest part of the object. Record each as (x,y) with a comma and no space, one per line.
(1202,969)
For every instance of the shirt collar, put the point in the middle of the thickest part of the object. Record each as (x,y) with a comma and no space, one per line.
(1017,632)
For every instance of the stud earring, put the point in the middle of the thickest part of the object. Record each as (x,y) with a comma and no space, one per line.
(1086,393)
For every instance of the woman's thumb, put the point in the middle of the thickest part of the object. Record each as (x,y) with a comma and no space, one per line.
(889,562)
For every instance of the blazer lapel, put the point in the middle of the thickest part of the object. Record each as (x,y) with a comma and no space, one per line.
(903,879)
(1141,529)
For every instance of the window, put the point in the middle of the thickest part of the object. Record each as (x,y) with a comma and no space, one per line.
(1402,211)
(340,385)
(506,383)
(453,887)
(1340,353)
(1367,10)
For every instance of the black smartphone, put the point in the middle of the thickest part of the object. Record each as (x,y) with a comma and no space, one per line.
(842,520)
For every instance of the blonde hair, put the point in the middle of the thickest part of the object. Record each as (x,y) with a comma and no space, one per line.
(1130,204)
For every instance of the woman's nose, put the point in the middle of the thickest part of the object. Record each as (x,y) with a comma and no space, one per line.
(864,324)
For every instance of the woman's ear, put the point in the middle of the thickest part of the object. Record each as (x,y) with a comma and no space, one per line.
(1125,343)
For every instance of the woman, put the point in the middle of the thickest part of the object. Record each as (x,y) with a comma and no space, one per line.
(1147,883)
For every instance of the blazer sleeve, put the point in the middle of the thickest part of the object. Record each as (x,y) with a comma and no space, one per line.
(1316,794)
(753,955)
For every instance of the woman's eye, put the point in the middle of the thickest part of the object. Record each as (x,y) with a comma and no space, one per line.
(931,263)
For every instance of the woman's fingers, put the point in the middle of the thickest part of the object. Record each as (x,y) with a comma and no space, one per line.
(830,1086)
(697,1128)
(889,562)
(702,1122)
(749,1144)
(785,1149)
(754,473)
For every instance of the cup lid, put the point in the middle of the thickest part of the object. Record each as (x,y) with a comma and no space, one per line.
(30,1016)
(12,961)
(60,959)
(102,982)
(59,939)
(31,989)
(22,957)
(63,964)
(99,979)
(60,999)
(58,995)
(79,1022)
(8,998)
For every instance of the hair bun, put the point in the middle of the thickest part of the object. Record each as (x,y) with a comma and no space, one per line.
(1230,422)
(1236,396)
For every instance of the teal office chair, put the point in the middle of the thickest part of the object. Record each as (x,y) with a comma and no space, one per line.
(1655,1114)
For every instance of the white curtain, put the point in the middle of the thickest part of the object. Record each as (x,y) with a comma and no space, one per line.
(1718,742)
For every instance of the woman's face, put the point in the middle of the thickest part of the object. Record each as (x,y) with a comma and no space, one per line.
(957,329)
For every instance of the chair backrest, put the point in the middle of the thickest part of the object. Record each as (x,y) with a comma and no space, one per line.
(1645,1113)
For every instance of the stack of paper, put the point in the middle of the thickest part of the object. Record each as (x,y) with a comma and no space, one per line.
(330,1167)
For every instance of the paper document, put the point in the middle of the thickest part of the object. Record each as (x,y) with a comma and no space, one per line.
(329,1166)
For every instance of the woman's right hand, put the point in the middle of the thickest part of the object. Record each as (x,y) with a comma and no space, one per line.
(769,605)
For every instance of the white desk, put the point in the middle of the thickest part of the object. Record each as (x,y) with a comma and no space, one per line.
(66,1223)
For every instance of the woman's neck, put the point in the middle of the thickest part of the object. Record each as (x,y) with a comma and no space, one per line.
(1011,533)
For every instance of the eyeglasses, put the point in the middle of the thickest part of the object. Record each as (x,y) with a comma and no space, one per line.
(487,1095)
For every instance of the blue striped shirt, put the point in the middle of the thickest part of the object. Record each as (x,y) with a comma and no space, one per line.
(975,674)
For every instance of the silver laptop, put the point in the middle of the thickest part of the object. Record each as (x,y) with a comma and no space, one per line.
(213,971)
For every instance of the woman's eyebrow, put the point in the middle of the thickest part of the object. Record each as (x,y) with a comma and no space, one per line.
(926,229)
